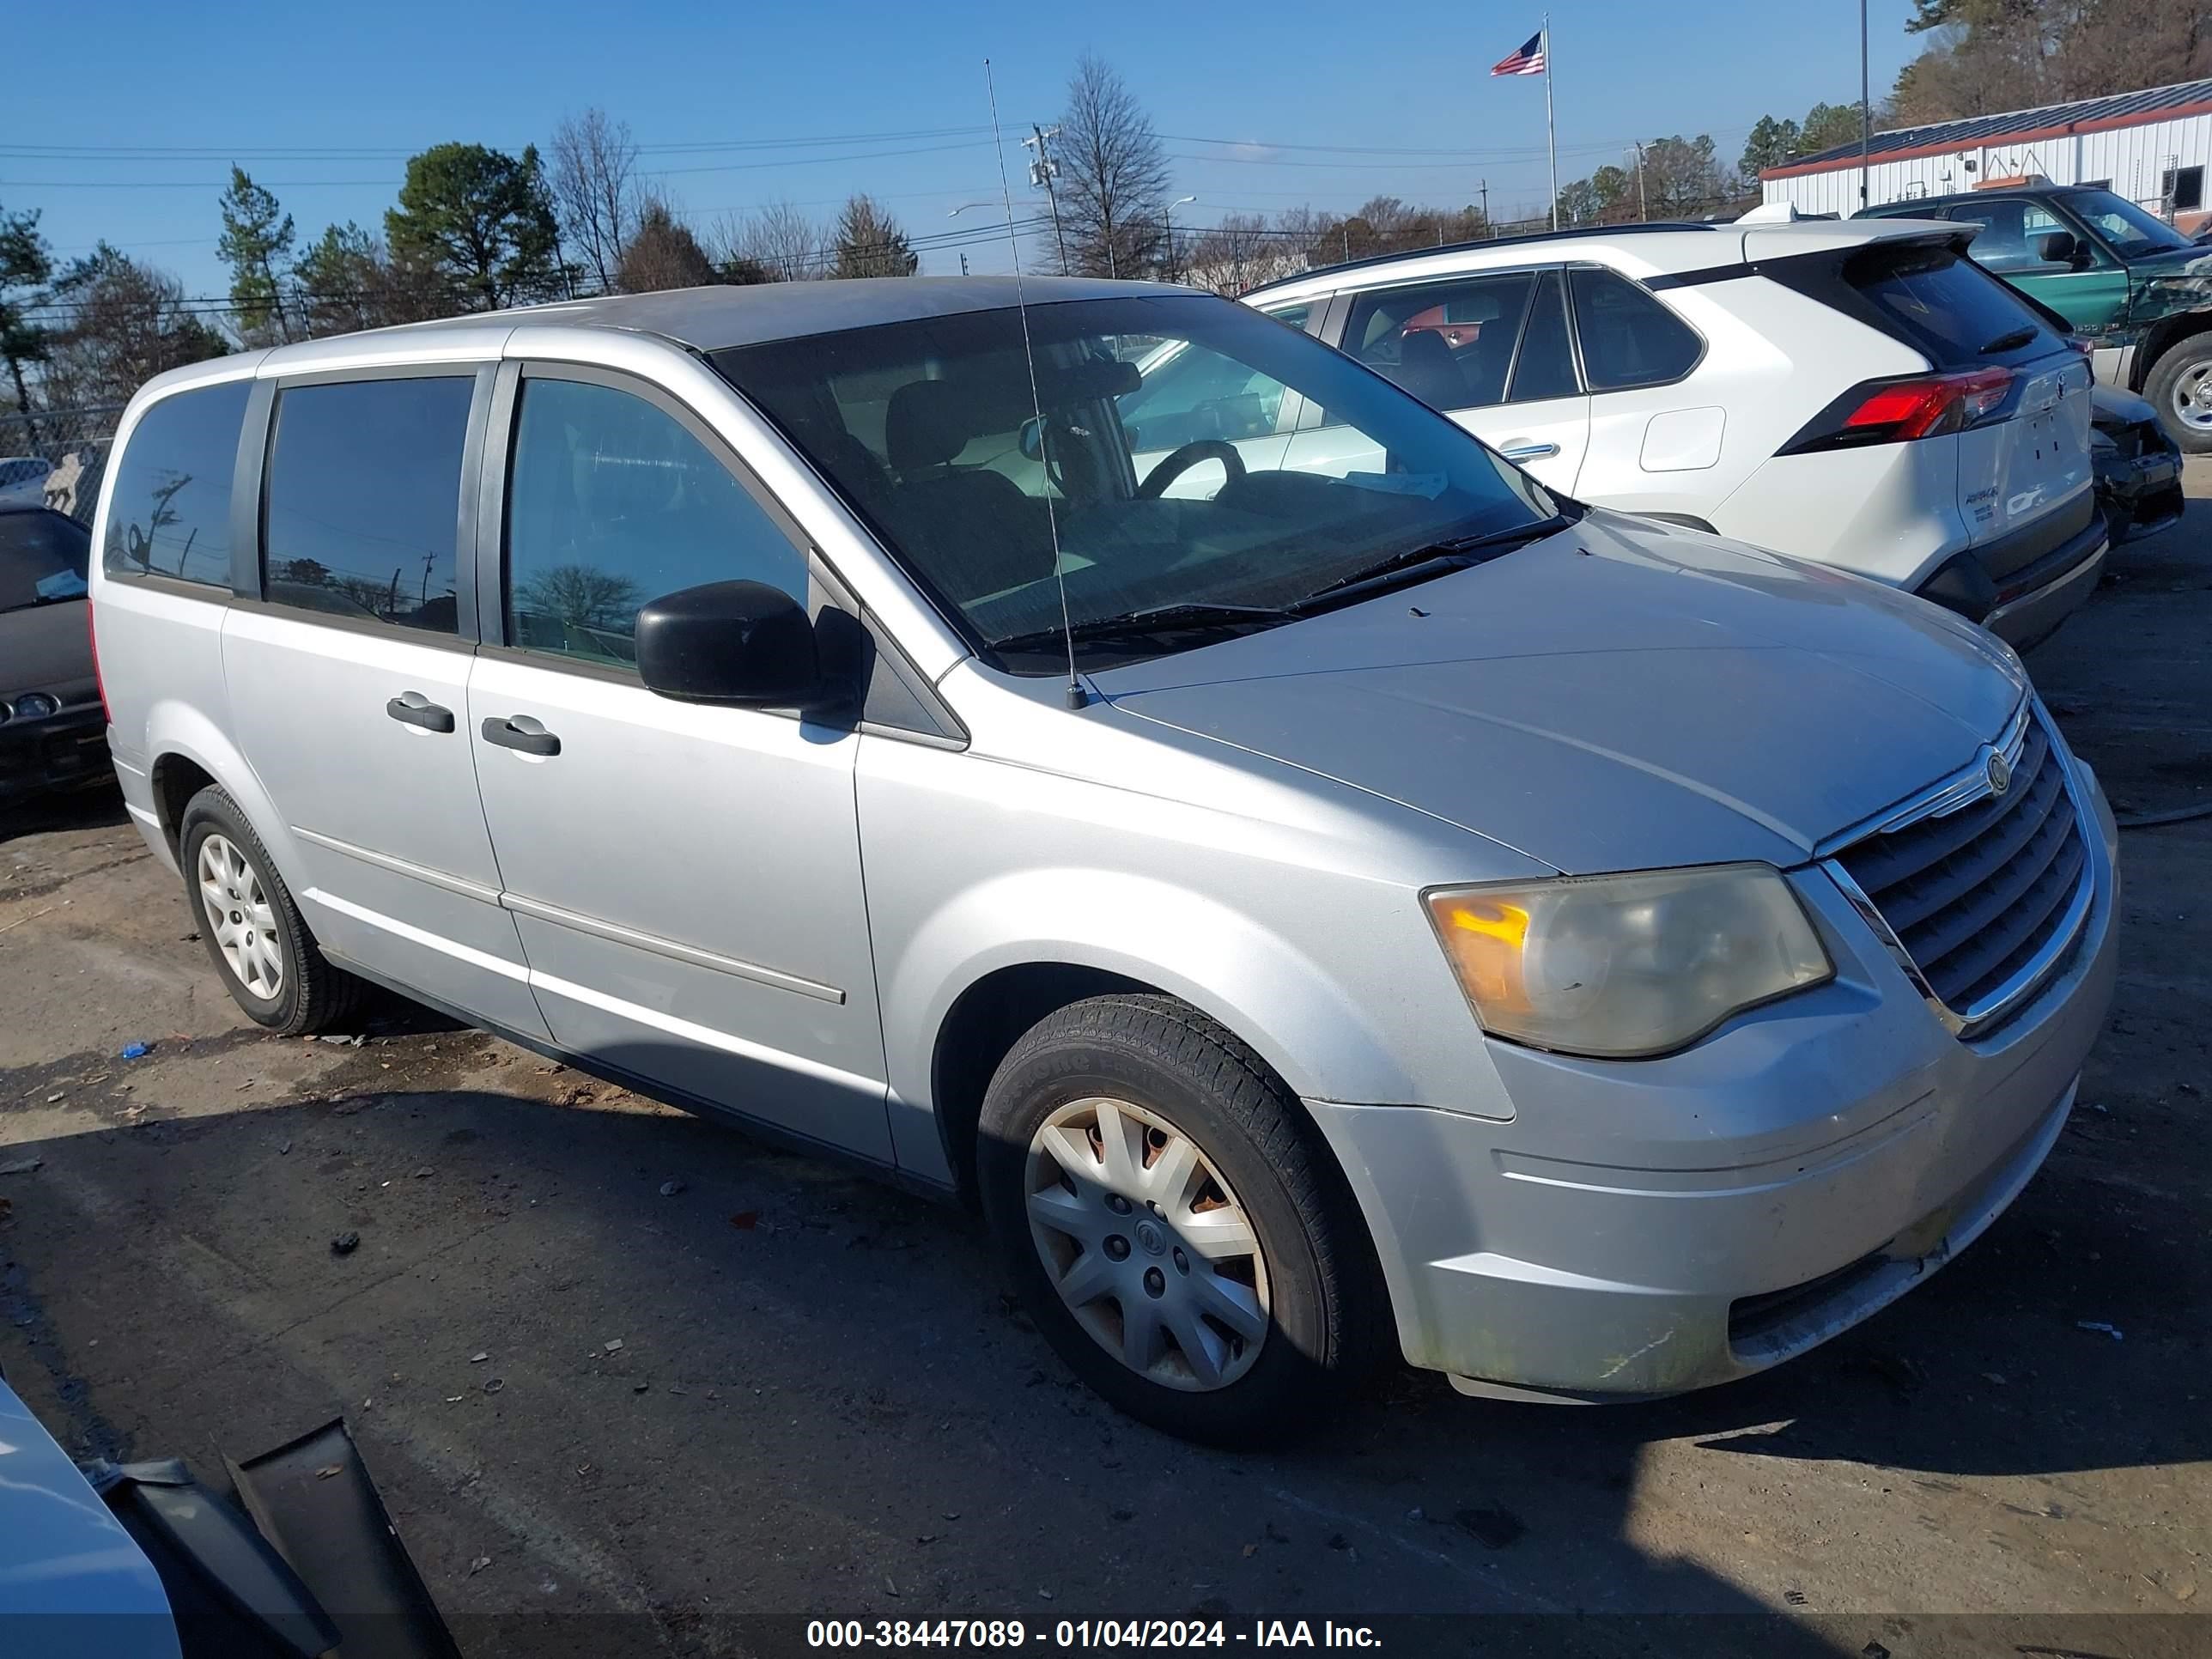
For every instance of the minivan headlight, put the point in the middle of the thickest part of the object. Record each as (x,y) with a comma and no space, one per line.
(1619,967)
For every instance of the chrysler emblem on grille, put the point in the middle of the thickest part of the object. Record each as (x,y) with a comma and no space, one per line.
(2000,774)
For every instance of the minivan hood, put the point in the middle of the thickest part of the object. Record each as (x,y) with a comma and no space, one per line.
(1622,695)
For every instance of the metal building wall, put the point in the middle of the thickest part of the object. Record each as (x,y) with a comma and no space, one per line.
(2133,159)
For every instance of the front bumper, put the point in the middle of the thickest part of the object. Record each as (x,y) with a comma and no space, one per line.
(2140,488)
(62,749)
(1647,1227)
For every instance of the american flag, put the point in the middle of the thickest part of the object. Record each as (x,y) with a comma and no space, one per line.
(1529,60)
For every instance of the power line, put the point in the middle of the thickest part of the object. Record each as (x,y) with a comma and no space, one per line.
(300,152)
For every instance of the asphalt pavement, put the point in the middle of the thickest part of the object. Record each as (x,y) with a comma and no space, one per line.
(628,1378)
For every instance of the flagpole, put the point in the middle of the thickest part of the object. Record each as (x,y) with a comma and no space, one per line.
(1551,135)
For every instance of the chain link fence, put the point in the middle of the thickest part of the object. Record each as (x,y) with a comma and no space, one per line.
(54,457)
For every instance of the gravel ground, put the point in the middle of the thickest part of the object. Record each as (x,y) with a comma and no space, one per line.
(611,1414)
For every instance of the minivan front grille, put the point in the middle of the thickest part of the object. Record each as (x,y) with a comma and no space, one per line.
(1980,898)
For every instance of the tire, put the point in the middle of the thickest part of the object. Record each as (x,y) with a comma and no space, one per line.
(1283,1331)
(295,991)
(2180,386)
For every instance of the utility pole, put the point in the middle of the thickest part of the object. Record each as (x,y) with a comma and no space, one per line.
(1043,172)
(1866,107)
(1551,133)
(1642,196)
(1167,222)
(1488,229)
(963,264)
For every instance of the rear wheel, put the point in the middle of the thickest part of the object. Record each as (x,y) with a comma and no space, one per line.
(253,931)
(2180,386)
(1173,1224)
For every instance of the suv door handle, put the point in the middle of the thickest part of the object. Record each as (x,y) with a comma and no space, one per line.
(413,708)
(1527,451)
(522,732)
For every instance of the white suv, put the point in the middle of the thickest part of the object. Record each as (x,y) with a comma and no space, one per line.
(1856,393)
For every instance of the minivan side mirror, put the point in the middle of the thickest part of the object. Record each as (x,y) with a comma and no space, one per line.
(2059,247)
(742,643)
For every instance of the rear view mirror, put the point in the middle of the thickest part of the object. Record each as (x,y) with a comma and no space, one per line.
(741,643)
(2058,247)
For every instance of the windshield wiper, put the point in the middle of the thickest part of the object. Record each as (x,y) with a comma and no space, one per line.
(2010,342)
(1156,619)
(1431,559)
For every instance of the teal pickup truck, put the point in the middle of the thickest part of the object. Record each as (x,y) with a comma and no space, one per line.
(2136,289)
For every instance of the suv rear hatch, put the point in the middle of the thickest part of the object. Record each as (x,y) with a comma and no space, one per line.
(2007,393)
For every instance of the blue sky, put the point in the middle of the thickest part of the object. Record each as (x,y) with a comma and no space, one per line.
(155,106)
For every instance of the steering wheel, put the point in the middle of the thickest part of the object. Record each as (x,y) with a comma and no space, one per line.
(1177,462)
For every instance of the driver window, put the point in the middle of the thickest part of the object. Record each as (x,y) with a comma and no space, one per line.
(612,503)
(2003,243)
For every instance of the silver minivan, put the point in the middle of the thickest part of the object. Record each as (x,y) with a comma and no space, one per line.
(1312,915)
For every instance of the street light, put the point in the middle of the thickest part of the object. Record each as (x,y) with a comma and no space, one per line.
(1167,218)
(964,206)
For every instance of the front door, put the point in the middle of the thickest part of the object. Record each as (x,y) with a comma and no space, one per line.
(686,878)
(348,686)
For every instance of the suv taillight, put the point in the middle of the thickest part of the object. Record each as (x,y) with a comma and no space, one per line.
(1897,411)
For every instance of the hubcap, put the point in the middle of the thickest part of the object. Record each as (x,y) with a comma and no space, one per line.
(239,918)
(1146,1245)
(2192,396)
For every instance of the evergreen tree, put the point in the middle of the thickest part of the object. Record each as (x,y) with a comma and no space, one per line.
(256,244)
(479,223)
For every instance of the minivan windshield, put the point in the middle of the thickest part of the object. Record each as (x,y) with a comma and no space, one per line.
(2130,231)
(43,559)
(1264,475)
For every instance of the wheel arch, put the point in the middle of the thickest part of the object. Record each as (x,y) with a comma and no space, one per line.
(973,994)
(2160,337)
(189,753)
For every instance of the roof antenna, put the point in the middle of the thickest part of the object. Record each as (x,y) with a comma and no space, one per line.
(1075,694)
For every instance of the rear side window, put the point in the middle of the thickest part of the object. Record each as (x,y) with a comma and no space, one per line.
(1628,338)
(364,499)
(1448,343)
(43,557)
(1957,313)
(169,513)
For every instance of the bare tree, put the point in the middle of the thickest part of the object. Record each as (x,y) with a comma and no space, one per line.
(778,240)
(595,191)
(1113,174)
(661,253)
(1242,251)
(128,323)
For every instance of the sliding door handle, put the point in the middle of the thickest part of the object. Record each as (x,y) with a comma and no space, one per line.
(413,708)
(520,731)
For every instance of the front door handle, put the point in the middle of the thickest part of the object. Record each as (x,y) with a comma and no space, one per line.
(1527,451)
(413,708)
(522,732)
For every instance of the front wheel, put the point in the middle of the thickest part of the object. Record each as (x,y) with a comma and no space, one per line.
(1173,1224)
(2180,386)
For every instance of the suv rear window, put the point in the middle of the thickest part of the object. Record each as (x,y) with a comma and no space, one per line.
(42,559)
(1946,305)
(169,513)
